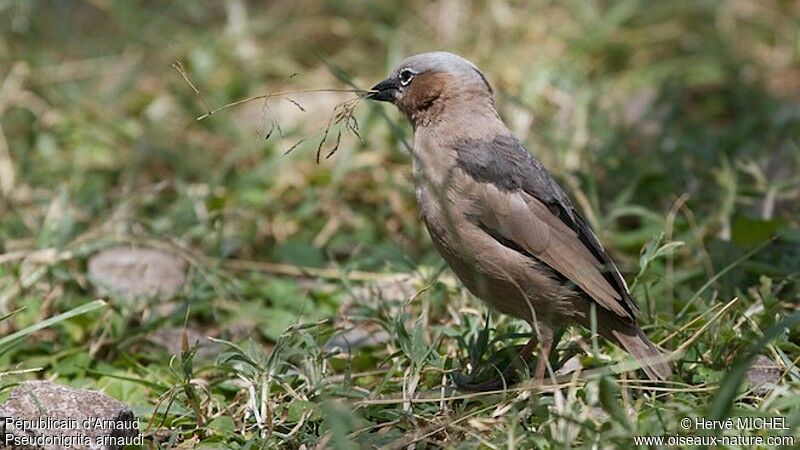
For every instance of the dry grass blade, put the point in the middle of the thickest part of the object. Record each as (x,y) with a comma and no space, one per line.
(324,138)
(343,113)
(295,103)
(688,325)
(270,131)
(335,145)
(178,66)
(679,351)
(294,146)
(343,116)
(275,95)
(266,111)
(562,382)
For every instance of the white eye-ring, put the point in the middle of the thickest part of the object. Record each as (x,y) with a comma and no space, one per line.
(406,75)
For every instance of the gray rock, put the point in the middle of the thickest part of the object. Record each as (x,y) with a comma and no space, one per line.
(47,415)
(134,273)
(402,288)
(763,373)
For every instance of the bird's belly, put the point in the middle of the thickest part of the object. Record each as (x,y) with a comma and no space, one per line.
(506,280)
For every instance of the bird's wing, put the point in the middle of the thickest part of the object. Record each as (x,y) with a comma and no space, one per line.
(526,207)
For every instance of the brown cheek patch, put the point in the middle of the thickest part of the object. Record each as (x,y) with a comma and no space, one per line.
(424,90)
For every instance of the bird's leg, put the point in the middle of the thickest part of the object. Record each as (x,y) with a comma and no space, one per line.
(527,350)
(524,355)
(507,375)
(545,345)
(542,339)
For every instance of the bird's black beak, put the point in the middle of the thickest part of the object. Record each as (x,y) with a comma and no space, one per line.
(385,91)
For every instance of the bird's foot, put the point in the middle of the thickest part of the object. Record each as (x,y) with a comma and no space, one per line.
(502,381)
(492,378)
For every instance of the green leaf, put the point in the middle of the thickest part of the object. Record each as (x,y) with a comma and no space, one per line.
(300,253)
(419,348)
(610,400)
(298,408)
(222,425)
(747,231)
(652,251)
(285,294)
(7,341)
(278,321)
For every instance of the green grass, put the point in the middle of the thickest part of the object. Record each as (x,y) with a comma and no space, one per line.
(676,125)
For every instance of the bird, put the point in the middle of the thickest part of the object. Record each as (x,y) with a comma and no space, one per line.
(500,220)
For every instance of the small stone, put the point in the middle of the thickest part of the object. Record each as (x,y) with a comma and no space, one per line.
(49,416)
(135,273)
(762,373)
(372,294)
(401,288)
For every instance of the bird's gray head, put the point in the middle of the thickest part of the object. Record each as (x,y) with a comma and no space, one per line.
(423,85)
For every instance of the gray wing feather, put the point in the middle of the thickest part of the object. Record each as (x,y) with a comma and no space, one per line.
(505,164)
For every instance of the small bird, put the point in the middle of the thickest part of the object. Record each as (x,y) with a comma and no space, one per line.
(500,220)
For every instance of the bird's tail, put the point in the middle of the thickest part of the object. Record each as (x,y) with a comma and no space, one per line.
(634,341)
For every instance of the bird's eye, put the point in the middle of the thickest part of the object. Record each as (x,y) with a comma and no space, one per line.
(406,76)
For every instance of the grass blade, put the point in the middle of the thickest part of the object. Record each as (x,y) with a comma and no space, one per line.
(83,309)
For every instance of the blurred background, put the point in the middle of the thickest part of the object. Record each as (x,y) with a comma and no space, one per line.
(636,106)
(670,122)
